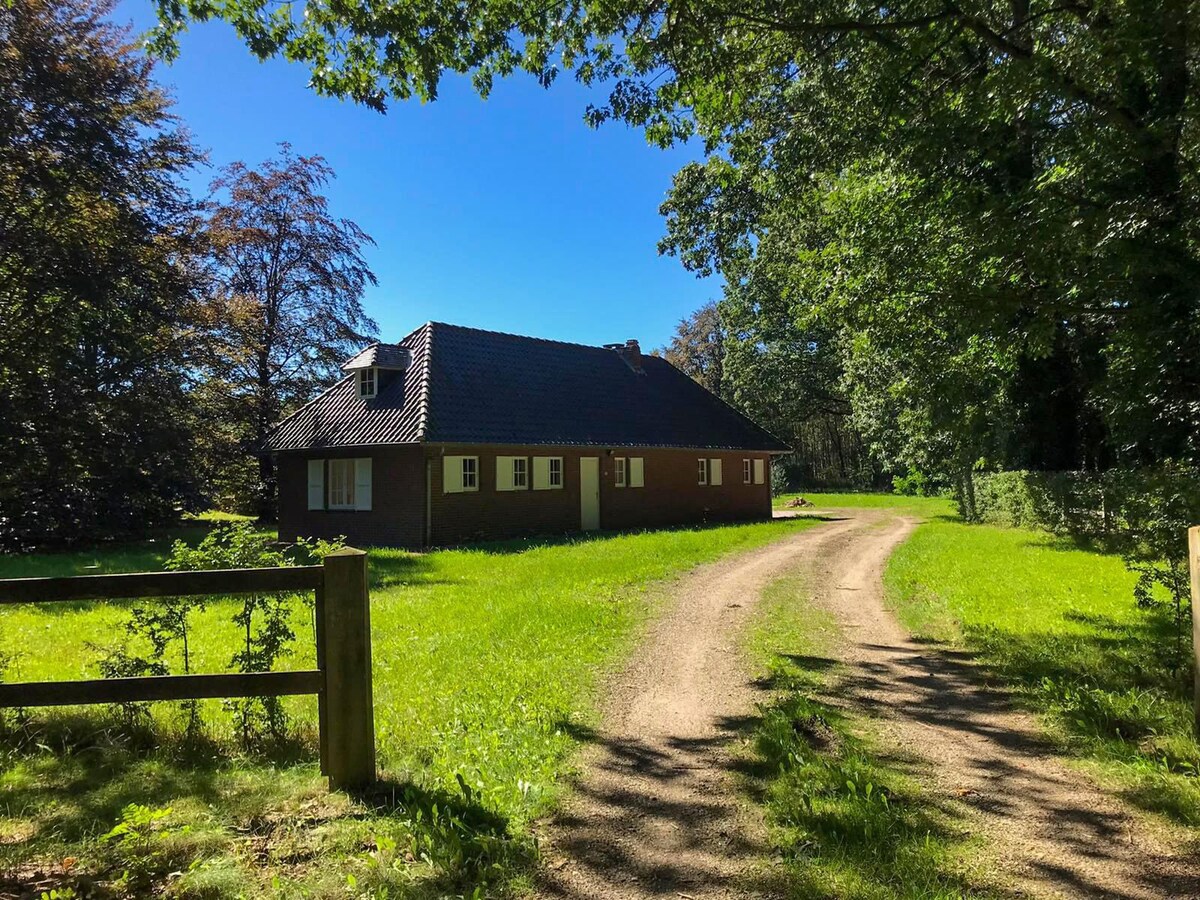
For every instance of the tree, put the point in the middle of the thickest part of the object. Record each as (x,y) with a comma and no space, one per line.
(96,266)
(1056,140)
(698,348)
(284,309)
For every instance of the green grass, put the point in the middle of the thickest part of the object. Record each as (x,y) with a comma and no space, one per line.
(929,507)
(1059,624)
(486,664)
(845,820)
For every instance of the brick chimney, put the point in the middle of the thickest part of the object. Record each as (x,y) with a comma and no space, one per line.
(631,352)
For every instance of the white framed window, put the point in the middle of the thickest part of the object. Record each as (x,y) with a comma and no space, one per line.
(760,471)
(512,473)
(702,471)
(637,471)
(619,471)
(339,484)
(714,472)
(547,473)
(368,382)
(745,471)
(460,474)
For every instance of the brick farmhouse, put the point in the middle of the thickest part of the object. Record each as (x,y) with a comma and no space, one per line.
(456,434)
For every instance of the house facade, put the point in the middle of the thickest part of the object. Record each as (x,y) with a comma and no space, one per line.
(456,435)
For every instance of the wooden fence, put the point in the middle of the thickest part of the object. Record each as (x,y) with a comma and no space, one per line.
(341,680)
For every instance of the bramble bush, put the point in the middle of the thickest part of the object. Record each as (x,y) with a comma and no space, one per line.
(263,619)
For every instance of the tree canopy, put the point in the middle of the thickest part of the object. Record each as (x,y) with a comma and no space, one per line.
(283,309)
(977,202)
(95,293)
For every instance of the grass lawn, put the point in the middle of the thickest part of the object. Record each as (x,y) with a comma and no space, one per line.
(1060,625)
(486,662)
(928,507)
(845,821)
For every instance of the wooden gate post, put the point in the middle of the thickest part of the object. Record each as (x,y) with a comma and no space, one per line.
(1194,563)
(349,706)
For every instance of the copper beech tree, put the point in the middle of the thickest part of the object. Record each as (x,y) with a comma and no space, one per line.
(284,308)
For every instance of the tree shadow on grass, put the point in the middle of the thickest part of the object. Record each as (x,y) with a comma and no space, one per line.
(1117,690)
(69,775)
(847,819)
(65,783)
(459,846)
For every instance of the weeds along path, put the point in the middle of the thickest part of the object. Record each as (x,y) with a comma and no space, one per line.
(1050,831)
(656,811)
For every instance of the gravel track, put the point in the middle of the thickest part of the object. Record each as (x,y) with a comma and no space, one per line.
(657,810)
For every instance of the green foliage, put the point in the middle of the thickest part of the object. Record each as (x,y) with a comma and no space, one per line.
(265,623)
(1059,627)
(779,480)
(263,619)
(95,282)
(914,484)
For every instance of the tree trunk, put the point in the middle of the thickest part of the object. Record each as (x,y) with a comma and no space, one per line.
(267,482)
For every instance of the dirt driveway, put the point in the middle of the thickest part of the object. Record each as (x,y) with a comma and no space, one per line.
(657,811)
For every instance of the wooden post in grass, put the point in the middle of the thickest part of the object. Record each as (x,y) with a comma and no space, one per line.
(349,709)
(1194,563)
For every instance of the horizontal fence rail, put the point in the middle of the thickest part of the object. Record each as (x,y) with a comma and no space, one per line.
(162,687)
(160,584)
(341,681)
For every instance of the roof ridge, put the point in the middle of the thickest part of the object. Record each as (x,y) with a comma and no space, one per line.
(524,337)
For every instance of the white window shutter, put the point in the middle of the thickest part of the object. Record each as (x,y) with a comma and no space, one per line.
(759,474)
(714,471)
(452,474)
(637,476)
(541,473)
(362,484)
(504,473)
(316,484)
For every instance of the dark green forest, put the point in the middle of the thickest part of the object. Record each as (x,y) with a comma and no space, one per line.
(150,336)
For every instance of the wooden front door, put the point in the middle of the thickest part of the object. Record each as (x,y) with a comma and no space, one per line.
(589,493)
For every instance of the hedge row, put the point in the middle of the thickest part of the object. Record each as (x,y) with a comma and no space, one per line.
(1099,504)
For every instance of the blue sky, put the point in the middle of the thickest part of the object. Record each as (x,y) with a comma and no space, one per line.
(509,213)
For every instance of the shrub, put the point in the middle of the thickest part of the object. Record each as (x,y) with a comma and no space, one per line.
(914,484)
(780,483)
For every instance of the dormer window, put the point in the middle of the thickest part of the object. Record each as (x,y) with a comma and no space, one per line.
(367,382)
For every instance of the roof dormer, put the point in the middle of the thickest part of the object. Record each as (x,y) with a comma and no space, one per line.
(374,364)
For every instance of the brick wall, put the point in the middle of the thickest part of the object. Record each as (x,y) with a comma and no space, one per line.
(397,515)
(671,496)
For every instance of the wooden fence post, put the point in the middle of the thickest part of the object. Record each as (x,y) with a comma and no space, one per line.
(1194,564)
(349,708)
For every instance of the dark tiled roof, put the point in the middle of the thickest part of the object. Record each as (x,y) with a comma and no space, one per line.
(341,418)
(481,387)
(386,356)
